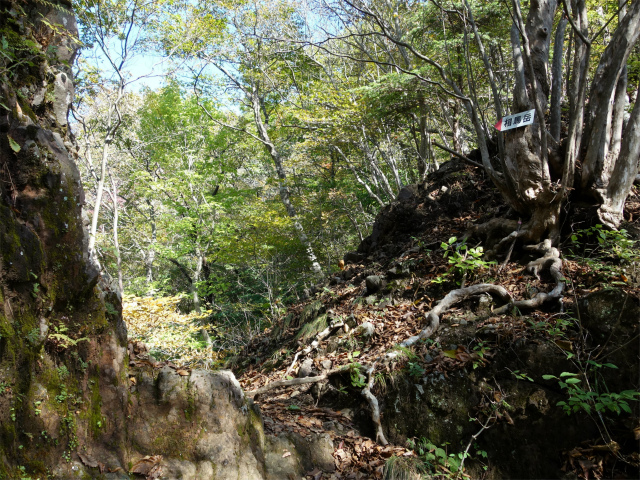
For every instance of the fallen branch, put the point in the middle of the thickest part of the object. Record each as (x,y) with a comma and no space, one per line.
(455,296)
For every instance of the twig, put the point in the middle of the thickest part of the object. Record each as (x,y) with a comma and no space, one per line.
(474,437)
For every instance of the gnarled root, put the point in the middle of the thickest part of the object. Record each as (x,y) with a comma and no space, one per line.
(454,296)
(291,383)
(373,404)
(369,370)
(550,260)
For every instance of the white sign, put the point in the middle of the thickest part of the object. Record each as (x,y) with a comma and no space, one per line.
(515,121)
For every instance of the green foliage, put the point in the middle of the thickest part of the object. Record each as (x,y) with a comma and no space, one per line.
(582,397)
(415,369)
(606,252)
(555,327)
(358,380)
(462,259)
(521,375)
(435,457)
(64,341)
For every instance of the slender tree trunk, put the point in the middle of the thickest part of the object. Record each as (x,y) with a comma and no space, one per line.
(116,243)
(555,120)
(151,252)
(624,172)
(597,162)
(196,278)
(98,202)
(285,196)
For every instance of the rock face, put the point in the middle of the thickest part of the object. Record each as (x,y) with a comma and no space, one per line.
(70,406)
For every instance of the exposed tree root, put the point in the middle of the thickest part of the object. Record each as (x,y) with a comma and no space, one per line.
(293,382)
(373,404)
(314,345)
(455,296)
(550,260)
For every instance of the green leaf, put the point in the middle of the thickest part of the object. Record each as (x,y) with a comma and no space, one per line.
(293,407)
(549,377)
(567,374)
(13,144)
(573,380)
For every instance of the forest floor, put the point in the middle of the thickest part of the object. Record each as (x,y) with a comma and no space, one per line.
(407,253)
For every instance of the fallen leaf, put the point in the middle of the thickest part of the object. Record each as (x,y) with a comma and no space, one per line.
(184,373)
(286,454)
(565,345)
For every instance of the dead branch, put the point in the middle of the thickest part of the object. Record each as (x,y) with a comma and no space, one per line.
(458,155)
(455,296)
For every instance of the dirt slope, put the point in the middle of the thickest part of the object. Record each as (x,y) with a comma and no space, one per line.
(478,365)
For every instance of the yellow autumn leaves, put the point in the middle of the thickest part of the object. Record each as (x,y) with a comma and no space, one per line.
(170,335)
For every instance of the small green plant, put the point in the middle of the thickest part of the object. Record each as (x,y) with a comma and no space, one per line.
(63,372)
(63,339)
(4,387)
(111,310)
(436,457)
(556,327)
(415,369)
(463,260)
(588,399)
(358,380)
(520,375)
(33,336)
(62,397)
(481,350)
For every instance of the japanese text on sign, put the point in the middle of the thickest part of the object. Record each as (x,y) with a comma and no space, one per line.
(516,120)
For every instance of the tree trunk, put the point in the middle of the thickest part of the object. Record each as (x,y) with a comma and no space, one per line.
(624,172)
(151,252)
(597,163)
(116,243)
(285,196)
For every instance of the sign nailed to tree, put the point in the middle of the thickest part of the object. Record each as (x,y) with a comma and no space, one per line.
(515,121)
